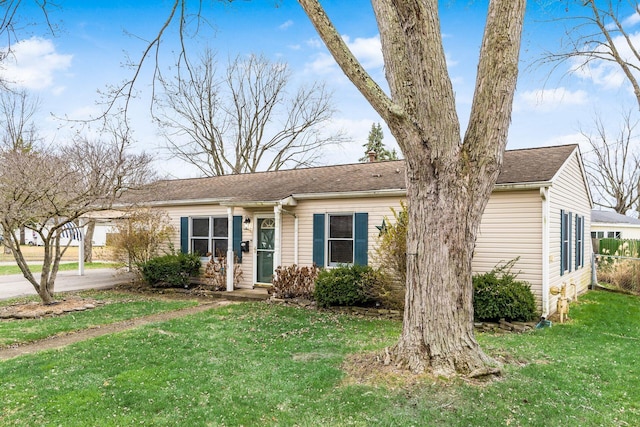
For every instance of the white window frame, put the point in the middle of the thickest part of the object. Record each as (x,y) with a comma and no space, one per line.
(211,237)
(329,239)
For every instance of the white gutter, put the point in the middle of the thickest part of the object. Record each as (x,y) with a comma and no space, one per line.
(545,193)
(522,186)
(351,194)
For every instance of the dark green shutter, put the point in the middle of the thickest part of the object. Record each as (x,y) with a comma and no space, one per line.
(361,239)
(562,239)
(237,236)
(569,240)
(318,239)
(184,235)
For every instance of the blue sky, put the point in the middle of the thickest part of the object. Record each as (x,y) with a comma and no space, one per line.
(66,69)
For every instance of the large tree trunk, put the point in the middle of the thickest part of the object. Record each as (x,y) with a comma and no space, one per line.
(449,181)
(437,333)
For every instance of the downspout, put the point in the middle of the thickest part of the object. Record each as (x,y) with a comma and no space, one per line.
(544,195)
(230,254)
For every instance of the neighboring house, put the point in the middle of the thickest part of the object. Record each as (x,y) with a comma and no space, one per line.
(539,211)
(608,224)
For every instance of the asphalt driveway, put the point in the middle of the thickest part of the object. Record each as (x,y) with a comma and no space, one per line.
(16,285)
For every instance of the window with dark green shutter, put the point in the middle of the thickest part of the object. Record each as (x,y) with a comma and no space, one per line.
(345,240)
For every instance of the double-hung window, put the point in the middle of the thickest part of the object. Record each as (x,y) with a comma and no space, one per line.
(565,241)
(209,235)
(579,241)
(340,239)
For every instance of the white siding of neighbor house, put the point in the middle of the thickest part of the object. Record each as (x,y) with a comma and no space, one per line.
(511,227)
(570,193)
(628,231)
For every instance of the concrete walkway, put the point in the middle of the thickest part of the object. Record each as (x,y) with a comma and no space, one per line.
(16,285)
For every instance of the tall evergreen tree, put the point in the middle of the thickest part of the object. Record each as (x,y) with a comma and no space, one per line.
(375,144)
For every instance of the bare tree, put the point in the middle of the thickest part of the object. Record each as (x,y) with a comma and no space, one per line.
(244,121)
(598,36)
(613,165)
(18,131)
(51,188)
(140,235)
(17,125)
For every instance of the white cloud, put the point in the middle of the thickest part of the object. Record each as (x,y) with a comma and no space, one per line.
(33,63)
(605,74)
(631,20)
(545,100)
(367,50)
(285,25)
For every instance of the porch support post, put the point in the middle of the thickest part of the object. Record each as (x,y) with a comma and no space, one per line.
(277,250)
(230,249)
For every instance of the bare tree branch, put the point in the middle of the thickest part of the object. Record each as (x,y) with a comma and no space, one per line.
(613,165)
(244,121)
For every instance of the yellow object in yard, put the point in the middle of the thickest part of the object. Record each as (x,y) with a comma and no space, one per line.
(563,302)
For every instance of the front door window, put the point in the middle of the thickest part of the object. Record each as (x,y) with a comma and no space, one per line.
(265,249)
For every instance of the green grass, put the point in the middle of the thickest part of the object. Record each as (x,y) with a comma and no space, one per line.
(256,364)
(67,266)
(117,307)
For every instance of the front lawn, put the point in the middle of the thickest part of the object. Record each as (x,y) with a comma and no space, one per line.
(257,364)
(117,307)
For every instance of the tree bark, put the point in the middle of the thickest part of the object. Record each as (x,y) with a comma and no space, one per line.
(449,181)
(88,241)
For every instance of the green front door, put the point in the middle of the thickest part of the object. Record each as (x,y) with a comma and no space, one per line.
(265,249)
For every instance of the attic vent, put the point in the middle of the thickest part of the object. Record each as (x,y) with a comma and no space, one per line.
(377,175)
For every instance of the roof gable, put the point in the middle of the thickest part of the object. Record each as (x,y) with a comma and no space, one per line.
(609,217)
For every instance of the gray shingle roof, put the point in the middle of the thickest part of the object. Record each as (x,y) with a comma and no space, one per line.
(608,217)
(520,166)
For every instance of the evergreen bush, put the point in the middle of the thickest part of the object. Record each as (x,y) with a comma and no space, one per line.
(171,271)
(498,295)
(342,285)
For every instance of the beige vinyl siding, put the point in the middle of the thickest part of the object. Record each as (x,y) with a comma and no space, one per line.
(569,192)
(511,227)
(377,209)
(176,212)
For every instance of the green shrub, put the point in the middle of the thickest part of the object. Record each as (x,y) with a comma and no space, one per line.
(383,289)
(342,285)
(172,271)
(498,295)
(295,281)
(391,252)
